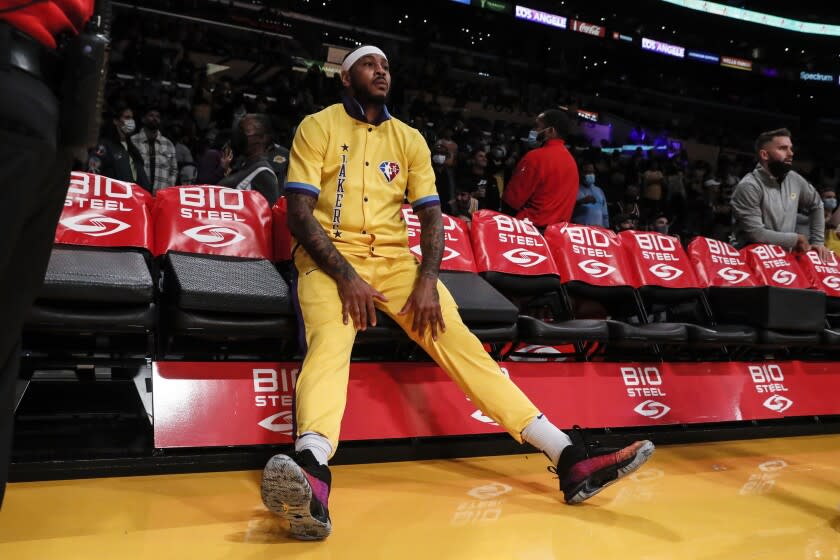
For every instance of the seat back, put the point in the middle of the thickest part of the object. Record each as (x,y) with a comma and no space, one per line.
(823,275)
(588,254)
(512,255)
(773,266)
(212,220)
(103,212)
(657,259)
(458,253)
(506,245)
(280,230)
(719,264)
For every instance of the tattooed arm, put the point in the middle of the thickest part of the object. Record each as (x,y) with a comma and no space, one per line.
(424,301)
(356,294)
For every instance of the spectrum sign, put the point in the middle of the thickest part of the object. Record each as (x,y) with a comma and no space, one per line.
(544,18)
(662,48)
(588,28)
(815,77)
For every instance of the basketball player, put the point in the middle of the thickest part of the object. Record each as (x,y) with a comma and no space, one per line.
(351,166)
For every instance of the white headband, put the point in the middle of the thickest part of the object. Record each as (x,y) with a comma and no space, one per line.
(359,53)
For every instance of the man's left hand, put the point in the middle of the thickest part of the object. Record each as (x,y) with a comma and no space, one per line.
(424,303)
(824,252)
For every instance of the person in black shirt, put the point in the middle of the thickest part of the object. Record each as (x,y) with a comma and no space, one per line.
(481,184)
(115,156)
(255,172)
(444,174)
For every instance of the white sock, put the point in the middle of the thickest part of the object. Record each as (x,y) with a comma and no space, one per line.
(546,437)
(317,444)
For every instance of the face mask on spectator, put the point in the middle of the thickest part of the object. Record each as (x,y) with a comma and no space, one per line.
(439,159)
(589,179)
(127,126)
(661,228)
(534,137)
(830,203)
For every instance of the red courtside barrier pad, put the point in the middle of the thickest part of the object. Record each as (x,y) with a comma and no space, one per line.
(241,403)
(103,212)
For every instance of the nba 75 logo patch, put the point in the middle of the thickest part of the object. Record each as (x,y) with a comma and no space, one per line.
(389,169)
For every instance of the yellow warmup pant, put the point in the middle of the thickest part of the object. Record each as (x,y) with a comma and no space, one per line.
(321,392)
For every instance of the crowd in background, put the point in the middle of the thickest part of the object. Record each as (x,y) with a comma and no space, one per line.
(161,102)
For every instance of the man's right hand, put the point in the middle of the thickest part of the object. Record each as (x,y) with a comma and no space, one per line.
(357,302)
(802,245)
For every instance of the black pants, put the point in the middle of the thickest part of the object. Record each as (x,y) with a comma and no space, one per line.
(34,174)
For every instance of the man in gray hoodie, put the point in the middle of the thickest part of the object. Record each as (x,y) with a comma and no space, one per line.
(767,199)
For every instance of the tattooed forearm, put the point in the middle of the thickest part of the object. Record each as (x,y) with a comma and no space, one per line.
(312,237)
(431,240)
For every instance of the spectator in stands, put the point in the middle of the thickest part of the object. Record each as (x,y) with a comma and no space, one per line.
(628,206)
(661,224)
(652,190)
(158,151)
(545,184)
(591,204)
(115,156)
(479,181)
(463,205)
(251,141)
(766,200)
(624,223)
(352,243)
(444,174)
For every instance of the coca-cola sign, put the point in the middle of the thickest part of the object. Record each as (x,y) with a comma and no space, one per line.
(588,28)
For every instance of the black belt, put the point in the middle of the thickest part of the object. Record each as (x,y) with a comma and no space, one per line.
(18,50)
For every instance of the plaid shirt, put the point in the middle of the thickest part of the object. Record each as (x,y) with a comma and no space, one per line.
(166,165)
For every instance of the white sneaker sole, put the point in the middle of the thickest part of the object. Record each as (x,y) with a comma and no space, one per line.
(286,492)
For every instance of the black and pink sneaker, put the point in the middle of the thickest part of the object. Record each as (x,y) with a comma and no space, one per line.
(584,470)
(297,488)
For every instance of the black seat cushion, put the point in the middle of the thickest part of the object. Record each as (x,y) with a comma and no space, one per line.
(231,326)
(788,338)
(44,316)
(653,333)
(516,285)
(478,301)
(721,334)
(225,284)
(770,307)
(573,330)
(97,276)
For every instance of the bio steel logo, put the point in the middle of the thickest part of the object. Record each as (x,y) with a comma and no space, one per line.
(211,203)
(588,242)
(524,257)
(652,409)
(214,235)
(645,382)
(95,225)
(596,269)
(732,276)
(274,390)
(769,378)
(666,271)
(784,277)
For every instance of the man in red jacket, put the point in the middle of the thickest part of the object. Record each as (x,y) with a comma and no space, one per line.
(544,186)
(34,169)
